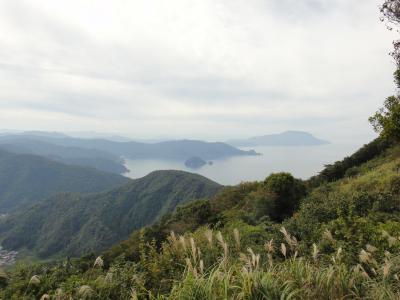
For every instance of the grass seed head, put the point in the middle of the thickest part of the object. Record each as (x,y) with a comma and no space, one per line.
(283,249)
(85,292)
(99,263)
(35,280)
(209,236)
(236,235)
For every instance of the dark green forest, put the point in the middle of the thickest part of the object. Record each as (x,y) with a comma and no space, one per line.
(72,224)
(26,179)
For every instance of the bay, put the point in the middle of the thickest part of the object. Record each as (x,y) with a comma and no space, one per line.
(302,161)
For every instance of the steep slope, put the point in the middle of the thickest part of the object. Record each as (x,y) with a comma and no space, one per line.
(26,179)
(287,138)
(74,224)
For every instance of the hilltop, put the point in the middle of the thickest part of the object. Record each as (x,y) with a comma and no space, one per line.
(26,179)
(74,224)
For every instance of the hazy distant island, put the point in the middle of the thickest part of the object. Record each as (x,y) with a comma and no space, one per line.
(195,162)
(287,138)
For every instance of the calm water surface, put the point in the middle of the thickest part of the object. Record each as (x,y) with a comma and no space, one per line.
(302,162)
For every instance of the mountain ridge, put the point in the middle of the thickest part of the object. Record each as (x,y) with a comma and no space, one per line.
(26,179)
(177,149)
(286,138)
(73,224)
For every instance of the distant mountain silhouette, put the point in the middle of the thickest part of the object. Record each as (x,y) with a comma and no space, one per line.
(287,138)
(179,150)
(98,159)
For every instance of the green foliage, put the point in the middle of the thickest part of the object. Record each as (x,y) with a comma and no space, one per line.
(339,240)
(27,179)
(288,191)
(348,166)
(72,224)
(386,121)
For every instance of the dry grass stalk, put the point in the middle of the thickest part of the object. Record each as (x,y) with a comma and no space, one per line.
(223,244)
(109,277)
(133,294)
(391,240)
(386,269)
(270,260)
(193,249)
(283,249)
(85,292)
(59,294)
(201,266)
(327,235)
(98,262)
(338,257)
(359,269)
(290,240)
(254,259)
(209,236)
(174,241)
(315,252)
(371,248)
(236,236)
(365,257)
(35,280)
(182,240)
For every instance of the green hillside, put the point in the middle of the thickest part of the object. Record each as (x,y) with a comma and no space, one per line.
(73,224)
(26,179)
(370,193)
(98,159)
(176,150)
(277,239)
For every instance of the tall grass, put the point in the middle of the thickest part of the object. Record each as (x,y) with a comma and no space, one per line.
(283,274)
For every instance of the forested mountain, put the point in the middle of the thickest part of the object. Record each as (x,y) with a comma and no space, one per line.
(98,159)
(73,224)
(264,239)
(287,138)
(179,150)
(26,179)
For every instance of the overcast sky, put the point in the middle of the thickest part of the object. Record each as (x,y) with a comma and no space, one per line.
(212,69)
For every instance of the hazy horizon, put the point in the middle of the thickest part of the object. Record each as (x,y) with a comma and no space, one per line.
(154,139)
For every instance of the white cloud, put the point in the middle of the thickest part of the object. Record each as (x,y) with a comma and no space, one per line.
(198,68)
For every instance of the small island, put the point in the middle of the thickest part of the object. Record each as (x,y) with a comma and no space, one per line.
(195,162)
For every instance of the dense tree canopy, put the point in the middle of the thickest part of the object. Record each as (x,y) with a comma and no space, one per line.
(386,120)
(288,191)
